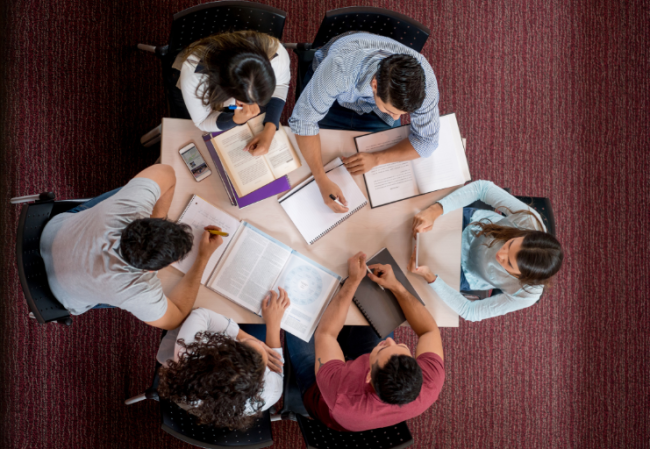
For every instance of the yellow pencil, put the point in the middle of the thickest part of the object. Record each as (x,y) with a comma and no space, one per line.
(221,233)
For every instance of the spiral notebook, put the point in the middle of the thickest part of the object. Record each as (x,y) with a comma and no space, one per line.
(380,307)
(313,218)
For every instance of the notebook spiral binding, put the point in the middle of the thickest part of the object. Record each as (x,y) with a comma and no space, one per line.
(338,222)
(363,312)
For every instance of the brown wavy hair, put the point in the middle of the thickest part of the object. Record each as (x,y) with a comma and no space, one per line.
(222,373)
(237,66)
(540,256)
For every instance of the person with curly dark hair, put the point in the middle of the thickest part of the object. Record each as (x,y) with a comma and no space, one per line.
(350,379)
(220,373)
(105,252)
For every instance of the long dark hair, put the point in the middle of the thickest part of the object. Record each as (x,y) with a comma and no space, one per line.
(222,373)
(237,66)
(540,256)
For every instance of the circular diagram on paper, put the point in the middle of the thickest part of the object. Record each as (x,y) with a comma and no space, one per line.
(303,285)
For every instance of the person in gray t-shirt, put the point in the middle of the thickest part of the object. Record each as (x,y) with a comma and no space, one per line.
(110,253)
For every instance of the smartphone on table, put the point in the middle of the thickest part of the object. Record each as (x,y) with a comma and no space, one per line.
(195,162)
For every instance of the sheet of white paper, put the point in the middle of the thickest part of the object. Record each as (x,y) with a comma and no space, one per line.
(442,169)
(250,268)
(198,215)
(309,287)
(311,215)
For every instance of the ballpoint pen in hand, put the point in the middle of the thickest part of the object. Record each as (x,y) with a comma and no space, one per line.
(370,271)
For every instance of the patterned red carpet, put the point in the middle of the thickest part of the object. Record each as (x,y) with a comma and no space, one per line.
(553,98)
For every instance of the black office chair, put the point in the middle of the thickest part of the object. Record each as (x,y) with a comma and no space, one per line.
(201,21)
(379,21)
(319,436)
(43,306)
(183,426)
(542,206)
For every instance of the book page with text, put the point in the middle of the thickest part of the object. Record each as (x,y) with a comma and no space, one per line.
(389,182)
(251,268)
(309,287)
(199,214)
(441,169)
(247,173)
(282,157)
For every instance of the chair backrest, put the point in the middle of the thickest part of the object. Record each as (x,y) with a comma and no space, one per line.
(31,268)
(182,425)
(319,436)
(544,209)
(379,21)
(207,19)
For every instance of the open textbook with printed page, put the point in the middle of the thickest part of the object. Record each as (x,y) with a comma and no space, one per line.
(250,263)
(397,181)
(249,173)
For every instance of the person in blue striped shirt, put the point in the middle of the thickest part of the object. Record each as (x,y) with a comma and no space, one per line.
(364,82)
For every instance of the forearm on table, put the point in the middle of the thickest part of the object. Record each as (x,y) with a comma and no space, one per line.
(311,151)
(334,317)
(402,151)
(417,315)
(184,293)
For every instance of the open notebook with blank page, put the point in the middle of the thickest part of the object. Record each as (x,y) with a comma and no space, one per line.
(313,218)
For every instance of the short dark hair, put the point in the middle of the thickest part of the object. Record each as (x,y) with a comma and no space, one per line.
(154,243)
(399,381)
(222,373)
(401,82)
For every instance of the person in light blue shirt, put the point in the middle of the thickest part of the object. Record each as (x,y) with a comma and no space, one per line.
(364,82)
(513,253)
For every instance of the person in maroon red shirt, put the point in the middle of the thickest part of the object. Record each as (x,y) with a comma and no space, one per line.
(353,381)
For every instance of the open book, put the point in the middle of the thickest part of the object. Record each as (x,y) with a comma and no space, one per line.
(249,173)
(446,167)
(250,263)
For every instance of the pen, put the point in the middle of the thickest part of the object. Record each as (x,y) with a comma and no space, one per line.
(232,107)
(337,200)
(370,271)
(221,233)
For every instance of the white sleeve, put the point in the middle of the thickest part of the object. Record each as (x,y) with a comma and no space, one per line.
(203,116)
(200,320)
(273,385)
(282,68)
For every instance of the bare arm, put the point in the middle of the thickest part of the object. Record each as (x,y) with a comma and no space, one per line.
(325,338)
(417,315)
(165,177)
(360,163)
(181,299)
(311,150)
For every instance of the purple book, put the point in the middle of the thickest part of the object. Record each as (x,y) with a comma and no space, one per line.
(274,188)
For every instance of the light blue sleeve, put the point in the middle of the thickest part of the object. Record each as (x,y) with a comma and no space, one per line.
(425,122)
(496,305)
(492,195)
(331,78)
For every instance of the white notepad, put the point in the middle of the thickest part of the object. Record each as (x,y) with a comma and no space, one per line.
(313,218)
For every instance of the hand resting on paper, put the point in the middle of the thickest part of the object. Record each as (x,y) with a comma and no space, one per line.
(360,163)
(422,270)
(209,242)
(423,222)
(328,188)
(260,144)
(384,276)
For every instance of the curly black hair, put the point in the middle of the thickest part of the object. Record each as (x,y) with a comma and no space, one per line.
(222,373)
(401,82)
(154,243)
(399,381)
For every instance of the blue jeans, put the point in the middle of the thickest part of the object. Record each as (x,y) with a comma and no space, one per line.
(467,219)
(94,202)
(339,117)
(354,340)
(256,330)
(87,205)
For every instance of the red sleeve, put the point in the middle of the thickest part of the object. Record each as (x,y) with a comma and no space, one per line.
(329,379)
(433,372)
